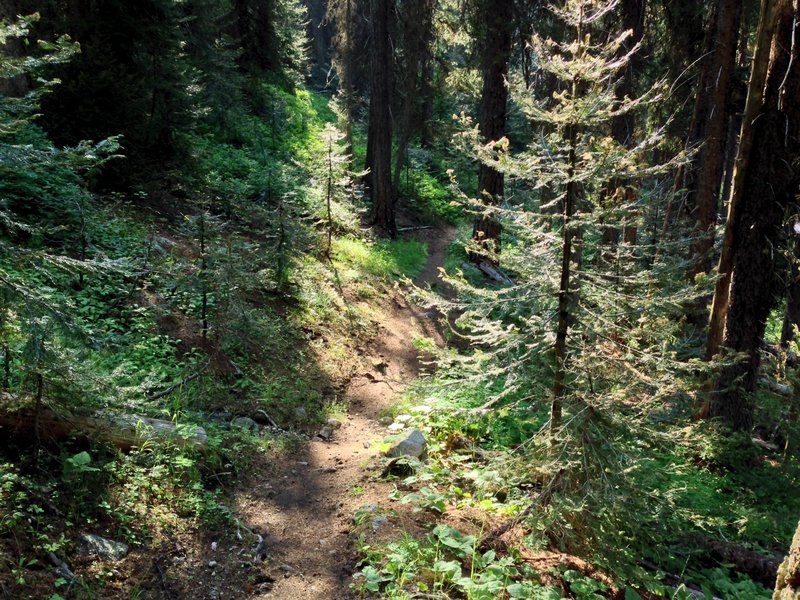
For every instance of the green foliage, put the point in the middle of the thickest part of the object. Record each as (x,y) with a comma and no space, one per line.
(385,259)
(427,194)
(444,562)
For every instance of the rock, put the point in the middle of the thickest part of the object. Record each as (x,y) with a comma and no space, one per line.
(422,409)
(212,564)
(401,466)
(396,427)
(214,546)
(379,364)
(245,423)
(403,419)
(378,522)
(326,433)
(300,412)
(100,546)
(412,444)
(334,423)
(385,421)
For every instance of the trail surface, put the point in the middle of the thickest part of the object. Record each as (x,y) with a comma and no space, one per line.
(307,506)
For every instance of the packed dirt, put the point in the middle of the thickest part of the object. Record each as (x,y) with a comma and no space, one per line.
(305,507)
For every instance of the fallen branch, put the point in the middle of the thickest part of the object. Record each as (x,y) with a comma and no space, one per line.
(542,499)
(178,385)
(421,227)
(493,272)
(62,569)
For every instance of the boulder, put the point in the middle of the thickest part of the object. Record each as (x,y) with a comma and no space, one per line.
(411,444)
(89,543)
(245,423)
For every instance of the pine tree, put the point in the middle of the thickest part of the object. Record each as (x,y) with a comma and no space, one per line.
(584,317)
(757,212)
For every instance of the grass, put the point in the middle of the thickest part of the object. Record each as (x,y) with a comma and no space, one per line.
(388,260)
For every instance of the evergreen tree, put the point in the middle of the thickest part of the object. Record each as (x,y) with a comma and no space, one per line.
(494,28)
(587,313)
(754,231)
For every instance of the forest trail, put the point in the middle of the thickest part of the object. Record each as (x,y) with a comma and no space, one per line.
(306,506)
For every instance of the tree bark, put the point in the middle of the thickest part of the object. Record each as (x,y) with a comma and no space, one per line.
(417,26)
(710,119)
(753,105)
(791,318)
(565,295)
(787,586)
(757,223)
(495,28)
(379,142)
(622,127)
(320,36)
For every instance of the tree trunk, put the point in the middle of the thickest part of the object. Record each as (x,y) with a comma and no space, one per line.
(711,119)
(565,295)
(379,141)
(496,18)
(787,586)
(622,127)
(791,318)
(757,222)
(754,104)
(417,18)
(320,37)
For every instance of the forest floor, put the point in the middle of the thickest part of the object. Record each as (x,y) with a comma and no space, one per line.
(304,507)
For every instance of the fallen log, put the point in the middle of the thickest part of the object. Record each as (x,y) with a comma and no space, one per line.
(758,567)
(122,430)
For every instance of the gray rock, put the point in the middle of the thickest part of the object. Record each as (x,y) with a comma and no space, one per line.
(385,421)
(301,412)
(245,423)
(99,546)
(395,427)
(422,409)
(212,564)
(412,444)
(403,418)
(326,433)
(334,423)
(378,522)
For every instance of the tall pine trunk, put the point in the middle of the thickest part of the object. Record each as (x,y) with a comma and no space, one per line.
(709,131)
(495,22)
(379,142)
(757,222)
(622,127)
(753,106)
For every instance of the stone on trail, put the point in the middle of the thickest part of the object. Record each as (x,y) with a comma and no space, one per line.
(334,423)
(100,546)
(326,433)
(403,418)
(395,427)
(412,444)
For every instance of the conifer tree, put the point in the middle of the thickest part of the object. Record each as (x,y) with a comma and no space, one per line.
(586,312)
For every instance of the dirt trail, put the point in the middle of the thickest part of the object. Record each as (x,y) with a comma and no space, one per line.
(307,507)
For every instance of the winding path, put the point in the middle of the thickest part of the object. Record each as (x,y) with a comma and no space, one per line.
(307,507)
